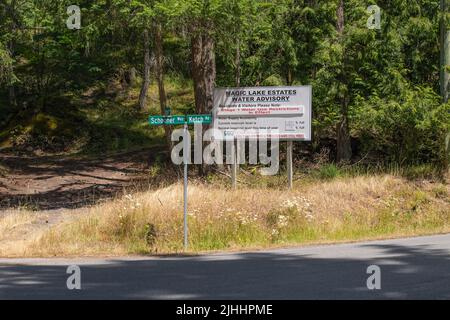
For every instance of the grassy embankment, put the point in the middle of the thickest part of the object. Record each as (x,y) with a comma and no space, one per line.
(326,207)
(102,119)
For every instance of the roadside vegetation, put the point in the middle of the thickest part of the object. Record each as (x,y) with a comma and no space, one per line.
(347,207)
(377,165)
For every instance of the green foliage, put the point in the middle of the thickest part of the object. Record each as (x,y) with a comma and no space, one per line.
(423,171)
(273,80)
(410,128)
(388,77)
(5,64)
(328,172)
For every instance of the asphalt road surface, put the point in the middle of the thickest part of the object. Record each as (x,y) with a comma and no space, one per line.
(416,268)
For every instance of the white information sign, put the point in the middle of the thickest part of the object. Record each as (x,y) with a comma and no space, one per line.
(252,112)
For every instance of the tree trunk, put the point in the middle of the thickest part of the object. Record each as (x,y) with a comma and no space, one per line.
(445,75)
(445,52)
(197,74)
(12,96)
(12,48)
(340,18)
(147,66)
(289,76)
(343,147)
(237,62)
(203,69)
(159,72)
(132,76)
(209,74)
(11,88)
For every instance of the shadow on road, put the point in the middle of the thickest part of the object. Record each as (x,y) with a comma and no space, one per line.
(407,273)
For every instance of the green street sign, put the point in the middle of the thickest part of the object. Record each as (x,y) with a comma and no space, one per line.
(199,119)
(175,120)
(165,120)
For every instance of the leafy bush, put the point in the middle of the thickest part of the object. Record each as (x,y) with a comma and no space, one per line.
(328,172)
(407,130)
(273,80)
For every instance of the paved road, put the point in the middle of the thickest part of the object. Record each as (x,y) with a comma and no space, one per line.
(417,268)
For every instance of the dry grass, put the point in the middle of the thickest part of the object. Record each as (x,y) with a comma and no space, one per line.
(15,229)
(20,228)
(344,209)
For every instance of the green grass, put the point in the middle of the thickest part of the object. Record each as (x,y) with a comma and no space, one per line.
(328,172)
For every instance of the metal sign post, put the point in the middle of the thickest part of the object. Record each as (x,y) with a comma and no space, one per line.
(289,164)
(185,189)
(169,120)
(234,165)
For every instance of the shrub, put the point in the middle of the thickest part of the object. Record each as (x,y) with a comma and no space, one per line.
(409,129)
(328,172)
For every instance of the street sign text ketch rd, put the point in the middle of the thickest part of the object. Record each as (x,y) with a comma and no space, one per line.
(169,120)
(180,119)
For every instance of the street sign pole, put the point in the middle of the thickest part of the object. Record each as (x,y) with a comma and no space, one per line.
(289,163)
(185,189)
(170,120)
(234,165)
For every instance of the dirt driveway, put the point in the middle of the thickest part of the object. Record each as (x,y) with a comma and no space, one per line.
(49,183)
